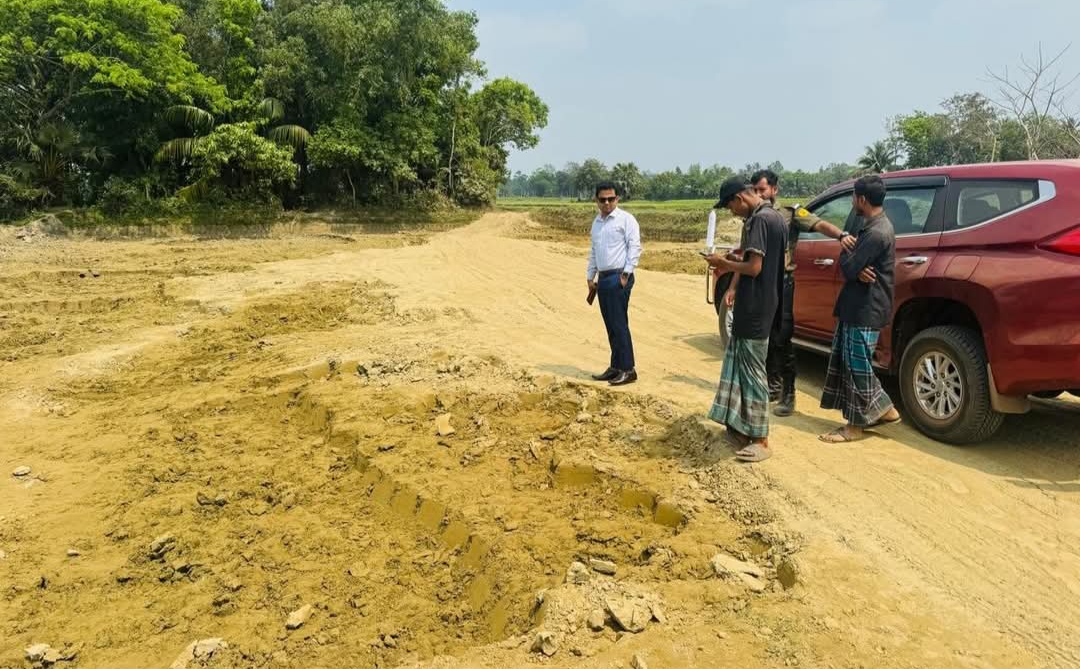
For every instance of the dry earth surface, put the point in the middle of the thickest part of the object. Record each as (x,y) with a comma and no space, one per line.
(327,449)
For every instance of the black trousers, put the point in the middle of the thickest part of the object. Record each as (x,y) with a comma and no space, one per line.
(614,307)
(780,363)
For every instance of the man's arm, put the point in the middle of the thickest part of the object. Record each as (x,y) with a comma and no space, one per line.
(591,271)
(756,246)
(868,248)
(808,222)
(633,245)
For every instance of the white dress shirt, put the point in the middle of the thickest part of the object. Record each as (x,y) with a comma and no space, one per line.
(616,243)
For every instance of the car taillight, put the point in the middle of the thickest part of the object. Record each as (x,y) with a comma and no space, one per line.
(1068,243)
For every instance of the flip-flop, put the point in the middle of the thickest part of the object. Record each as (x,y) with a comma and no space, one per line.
(755,452)
(883,422)
(840,436)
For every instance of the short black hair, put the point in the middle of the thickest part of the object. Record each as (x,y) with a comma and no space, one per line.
(606,185)
(872,188)
(769,176)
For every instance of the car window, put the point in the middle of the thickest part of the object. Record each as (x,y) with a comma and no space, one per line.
(909,209)
(835,211)
(980,201)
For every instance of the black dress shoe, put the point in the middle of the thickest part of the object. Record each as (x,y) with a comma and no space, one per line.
(624,378)
(608,375)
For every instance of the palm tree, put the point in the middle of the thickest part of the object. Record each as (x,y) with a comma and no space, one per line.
(55,150)
(199,123)
(881,156)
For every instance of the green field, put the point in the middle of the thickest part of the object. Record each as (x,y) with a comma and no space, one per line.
(668,221)
(633,206)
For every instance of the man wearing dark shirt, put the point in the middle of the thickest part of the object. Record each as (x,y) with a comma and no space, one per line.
(863,308)
(742,397)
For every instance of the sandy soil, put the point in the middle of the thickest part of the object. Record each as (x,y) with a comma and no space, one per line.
(392,440)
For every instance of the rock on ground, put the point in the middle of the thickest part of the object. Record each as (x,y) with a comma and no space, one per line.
(298,617)
(199,652)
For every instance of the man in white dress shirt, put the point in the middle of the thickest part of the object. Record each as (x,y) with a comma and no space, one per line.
(613,256)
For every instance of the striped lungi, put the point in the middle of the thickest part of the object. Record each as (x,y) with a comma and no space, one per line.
(851,385)
(742,397)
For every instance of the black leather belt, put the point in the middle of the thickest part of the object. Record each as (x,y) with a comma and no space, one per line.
(609,272)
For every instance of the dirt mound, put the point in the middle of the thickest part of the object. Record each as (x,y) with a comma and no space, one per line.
(48,226)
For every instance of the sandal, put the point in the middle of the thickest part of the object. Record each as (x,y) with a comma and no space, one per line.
(882,422)
(755,452)
(840,436)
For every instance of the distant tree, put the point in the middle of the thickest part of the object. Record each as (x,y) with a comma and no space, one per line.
(881,156)
(629,179)
(1032,95)
(591,172)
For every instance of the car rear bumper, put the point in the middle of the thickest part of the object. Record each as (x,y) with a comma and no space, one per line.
(1023,370)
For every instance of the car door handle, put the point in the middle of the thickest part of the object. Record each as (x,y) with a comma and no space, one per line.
(824,262)
(915,260)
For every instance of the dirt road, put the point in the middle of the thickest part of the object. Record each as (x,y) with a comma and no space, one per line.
(910,553)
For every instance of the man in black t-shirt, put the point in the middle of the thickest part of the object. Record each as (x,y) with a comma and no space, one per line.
(742,398)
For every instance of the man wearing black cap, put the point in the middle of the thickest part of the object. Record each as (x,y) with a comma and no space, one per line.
(781,361)
(742,398)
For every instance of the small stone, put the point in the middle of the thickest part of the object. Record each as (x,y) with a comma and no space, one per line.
(577,574)
(753,583)
(658,614)
(603,567)
(443,426)
(384,448)
(204,500)
(37,652)
(545,643)
(298,617)
(51,656)
(3,555)
(511,526)
(725,565)
(161,546)
(628,616)
(638,662)
(389,642)
(72,553)
(596,621)
(20,472)
(584,417)
(549,436)
(124,577)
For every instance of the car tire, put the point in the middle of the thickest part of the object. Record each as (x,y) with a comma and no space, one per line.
(725,317)
(723,314)
(956,359)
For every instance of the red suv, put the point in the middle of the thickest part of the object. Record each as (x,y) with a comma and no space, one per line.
(987,308)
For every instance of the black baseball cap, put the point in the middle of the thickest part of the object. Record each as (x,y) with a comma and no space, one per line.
(729,189)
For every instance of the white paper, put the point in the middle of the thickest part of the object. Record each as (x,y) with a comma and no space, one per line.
(710,237)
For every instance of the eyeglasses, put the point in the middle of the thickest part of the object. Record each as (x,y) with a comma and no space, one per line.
(607,200)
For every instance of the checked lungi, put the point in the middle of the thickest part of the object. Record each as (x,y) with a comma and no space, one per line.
(850,384)
(742,397)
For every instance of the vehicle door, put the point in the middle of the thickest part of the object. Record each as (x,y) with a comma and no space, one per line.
(916,208)
(816,270)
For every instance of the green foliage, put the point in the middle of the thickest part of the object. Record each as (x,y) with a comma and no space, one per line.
(235,161)
(880,156)
(577,181)
(373,100)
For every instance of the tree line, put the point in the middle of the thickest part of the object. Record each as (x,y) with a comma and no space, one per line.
(577,180)
(151,105)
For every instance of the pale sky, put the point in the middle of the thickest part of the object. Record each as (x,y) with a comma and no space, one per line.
(807,82)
